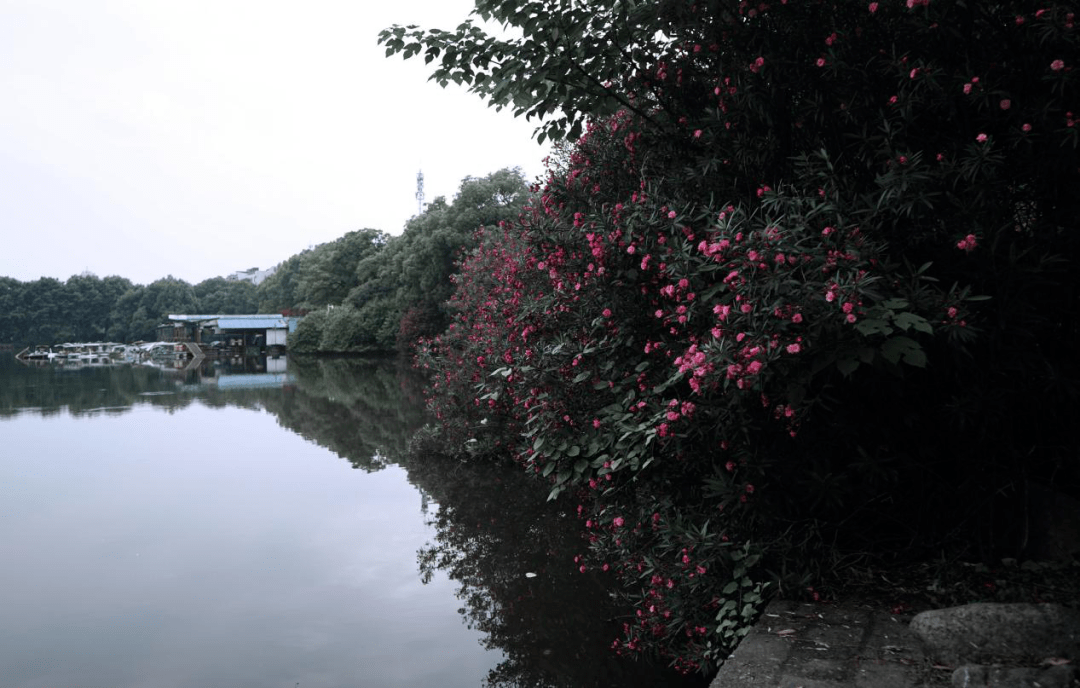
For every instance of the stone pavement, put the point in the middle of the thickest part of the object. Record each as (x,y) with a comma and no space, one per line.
(800,645)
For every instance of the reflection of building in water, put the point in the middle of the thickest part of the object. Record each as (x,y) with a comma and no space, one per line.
(230,335)
(238,372)
(275,375)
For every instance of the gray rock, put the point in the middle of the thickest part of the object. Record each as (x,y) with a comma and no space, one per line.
(999,633)
(977,676)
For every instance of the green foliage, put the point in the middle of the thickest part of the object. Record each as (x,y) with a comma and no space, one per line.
(346,331)
(226,296)
(563,66)
(814,283)
(412,275)
(309,332)
(141,309)
(328,271)
(279,291)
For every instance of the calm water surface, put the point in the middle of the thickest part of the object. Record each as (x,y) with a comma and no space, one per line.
(210,527)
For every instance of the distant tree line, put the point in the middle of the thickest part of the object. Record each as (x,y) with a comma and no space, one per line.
(91,308)
(365,292)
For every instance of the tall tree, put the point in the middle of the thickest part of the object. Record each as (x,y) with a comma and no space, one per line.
(413,274)
(328,272)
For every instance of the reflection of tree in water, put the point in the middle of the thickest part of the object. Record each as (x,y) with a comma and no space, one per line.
(364,410)
(51,389)
(493,527)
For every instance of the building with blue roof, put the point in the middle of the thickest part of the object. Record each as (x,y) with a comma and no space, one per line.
(255,333)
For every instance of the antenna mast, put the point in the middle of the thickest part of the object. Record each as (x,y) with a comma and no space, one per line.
(419,192)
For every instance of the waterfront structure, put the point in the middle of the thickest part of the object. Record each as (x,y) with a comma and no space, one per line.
(254,333)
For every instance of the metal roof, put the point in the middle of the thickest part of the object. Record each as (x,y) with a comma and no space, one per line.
(260,321)
(264,322)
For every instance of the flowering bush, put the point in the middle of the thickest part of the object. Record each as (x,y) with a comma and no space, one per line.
(816,271)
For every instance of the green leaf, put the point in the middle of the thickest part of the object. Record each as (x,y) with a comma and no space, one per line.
(872,326)
(898,348)
(847,366)
(906,321)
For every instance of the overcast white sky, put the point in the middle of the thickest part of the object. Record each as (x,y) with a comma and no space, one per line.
(144,138)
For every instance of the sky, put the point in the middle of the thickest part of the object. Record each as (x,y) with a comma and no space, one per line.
(146,138)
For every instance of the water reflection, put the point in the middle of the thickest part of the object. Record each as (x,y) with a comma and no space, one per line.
(511,553)
(508,551)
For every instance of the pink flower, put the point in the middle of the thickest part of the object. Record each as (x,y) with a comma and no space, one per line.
(793,348)
(607,312)
(1005,104)
(618,521)
(596,422)
(697,133)
(873,7)
(967,89)
(672,215)
(981,138)
(1057,65)
(1025,128)
(967,244)
(820,62)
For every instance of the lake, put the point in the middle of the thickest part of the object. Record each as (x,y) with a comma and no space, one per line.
(259,523)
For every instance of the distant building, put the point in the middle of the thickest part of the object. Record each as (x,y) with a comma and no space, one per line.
(253,275)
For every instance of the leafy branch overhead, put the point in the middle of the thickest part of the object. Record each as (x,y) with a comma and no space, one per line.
(569,63)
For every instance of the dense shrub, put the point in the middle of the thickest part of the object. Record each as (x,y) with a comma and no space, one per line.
(308,334)
(805,284)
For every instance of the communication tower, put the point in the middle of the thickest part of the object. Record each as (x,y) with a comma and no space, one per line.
(419,192)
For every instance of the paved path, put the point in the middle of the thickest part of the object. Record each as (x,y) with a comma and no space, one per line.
(798,645)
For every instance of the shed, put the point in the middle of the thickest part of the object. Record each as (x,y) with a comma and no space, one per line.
(261,329)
